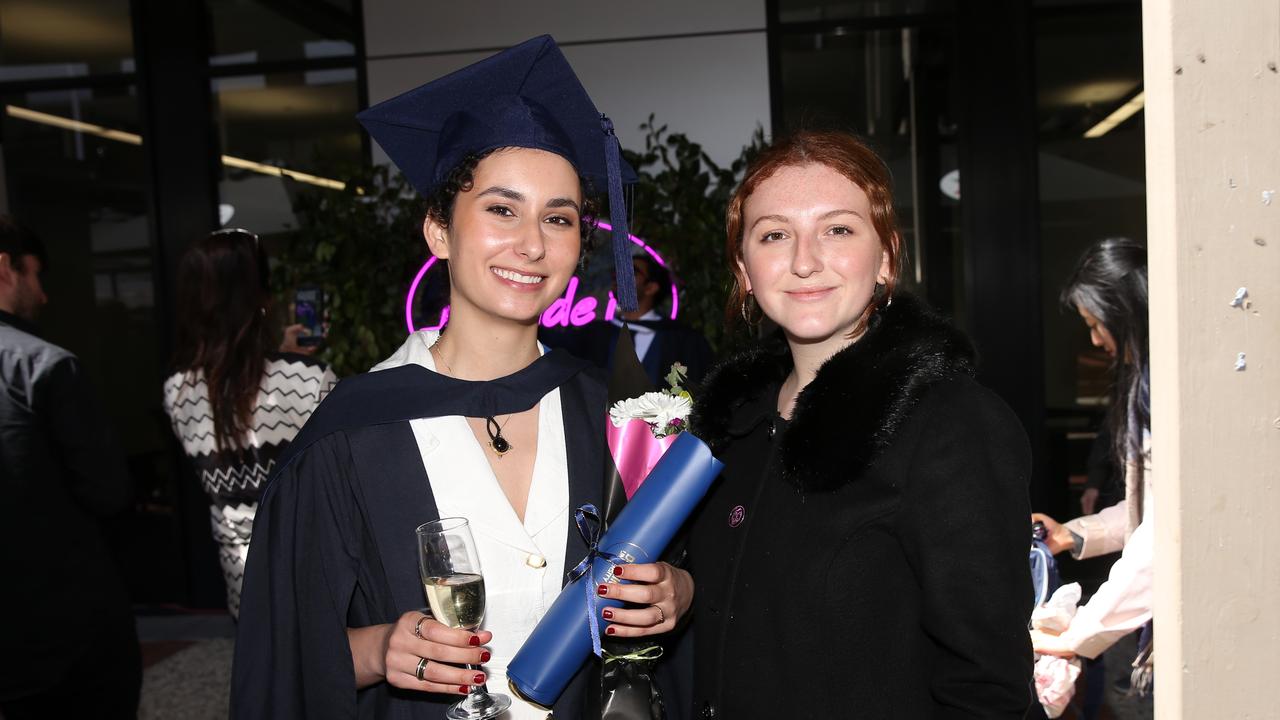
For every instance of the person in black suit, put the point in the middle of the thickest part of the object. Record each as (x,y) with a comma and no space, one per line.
(70,644)
(659,341)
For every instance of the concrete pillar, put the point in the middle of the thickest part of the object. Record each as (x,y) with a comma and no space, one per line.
(1213,202)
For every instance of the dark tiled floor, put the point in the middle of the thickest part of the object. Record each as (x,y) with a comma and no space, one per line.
(186,661)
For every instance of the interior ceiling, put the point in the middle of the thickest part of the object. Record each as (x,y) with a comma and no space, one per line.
(273,102)
(42,31)
(60,31)
(1087,64)
(1099,91)
(277,29)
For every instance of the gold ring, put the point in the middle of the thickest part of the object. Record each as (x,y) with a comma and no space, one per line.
(422,665)
(417,629)
(662,617)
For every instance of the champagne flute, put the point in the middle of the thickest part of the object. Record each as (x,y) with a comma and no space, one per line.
(454,585)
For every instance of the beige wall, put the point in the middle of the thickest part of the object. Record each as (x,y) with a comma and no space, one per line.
(1213,152)
(702,67)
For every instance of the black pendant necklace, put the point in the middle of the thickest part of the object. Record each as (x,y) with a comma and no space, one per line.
(496,441)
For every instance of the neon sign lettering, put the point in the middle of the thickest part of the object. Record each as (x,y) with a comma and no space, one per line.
(566,311)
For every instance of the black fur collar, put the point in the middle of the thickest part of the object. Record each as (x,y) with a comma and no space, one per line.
(851,411)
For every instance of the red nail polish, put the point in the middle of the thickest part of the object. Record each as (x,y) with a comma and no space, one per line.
(484,656)
(603,590)
(474,641)
(607,614)
(464,689)
(478,679)
(617,570)
(609,630)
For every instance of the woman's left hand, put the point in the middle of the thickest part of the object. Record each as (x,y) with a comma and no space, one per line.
(290,342)
(665,592)
(1044,643)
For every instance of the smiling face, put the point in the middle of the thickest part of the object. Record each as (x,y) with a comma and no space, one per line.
(810,253)
(514,240)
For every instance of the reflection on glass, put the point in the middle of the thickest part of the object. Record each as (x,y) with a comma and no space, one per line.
(893,87)
(818,10)
(1092,169)
(301,121)
(75,171)
(64,38)
(251,31)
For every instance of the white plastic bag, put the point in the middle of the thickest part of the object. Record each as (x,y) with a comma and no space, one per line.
(1056,614)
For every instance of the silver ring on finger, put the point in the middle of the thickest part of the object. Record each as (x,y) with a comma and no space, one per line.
(417,629)
(422,666)
(662,617)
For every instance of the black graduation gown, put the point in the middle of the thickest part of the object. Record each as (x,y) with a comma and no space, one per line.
(333,544)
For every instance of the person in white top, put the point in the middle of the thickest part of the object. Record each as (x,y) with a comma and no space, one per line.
(234,404)
(1109,290)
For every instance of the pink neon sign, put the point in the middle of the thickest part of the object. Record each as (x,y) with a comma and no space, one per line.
(566,311)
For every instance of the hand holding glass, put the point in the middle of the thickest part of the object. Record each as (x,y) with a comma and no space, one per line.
(454,586)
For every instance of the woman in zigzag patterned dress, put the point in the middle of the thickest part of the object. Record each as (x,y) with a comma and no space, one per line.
(234,403)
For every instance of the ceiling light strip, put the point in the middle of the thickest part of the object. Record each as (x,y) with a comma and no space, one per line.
(73,125)
(134,139)
(1122,113)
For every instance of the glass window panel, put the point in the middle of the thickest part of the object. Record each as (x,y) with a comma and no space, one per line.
(303,122)
(818,10)
(893,88)
(249,31)
(75,171)
(64,38)
(1089,78)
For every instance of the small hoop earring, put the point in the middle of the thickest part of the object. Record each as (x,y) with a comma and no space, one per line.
(882,291)
(747,309)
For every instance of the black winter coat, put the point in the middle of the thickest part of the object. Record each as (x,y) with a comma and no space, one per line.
(867,558)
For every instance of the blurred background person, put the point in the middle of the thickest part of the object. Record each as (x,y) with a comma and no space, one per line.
(1109,291)
(1104,484)
(70,644)
(659,341)
(234,401)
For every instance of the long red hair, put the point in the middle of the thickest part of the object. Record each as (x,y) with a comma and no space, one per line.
(845,154)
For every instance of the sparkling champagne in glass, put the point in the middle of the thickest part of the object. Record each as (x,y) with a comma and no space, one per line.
(454,586)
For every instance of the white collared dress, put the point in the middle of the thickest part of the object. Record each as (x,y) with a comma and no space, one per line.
(523,563)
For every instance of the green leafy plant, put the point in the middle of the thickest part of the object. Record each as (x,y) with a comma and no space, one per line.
(362,245)
(679,207)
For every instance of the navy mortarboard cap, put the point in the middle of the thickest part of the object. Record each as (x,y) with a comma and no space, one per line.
(527,96)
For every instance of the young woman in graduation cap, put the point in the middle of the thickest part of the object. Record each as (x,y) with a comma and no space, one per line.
(476,421)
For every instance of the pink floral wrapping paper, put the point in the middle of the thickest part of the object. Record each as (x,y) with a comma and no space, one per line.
(635,451)
(1055,683)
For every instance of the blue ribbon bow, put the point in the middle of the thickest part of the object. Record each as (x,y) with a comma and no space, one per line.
(590,527)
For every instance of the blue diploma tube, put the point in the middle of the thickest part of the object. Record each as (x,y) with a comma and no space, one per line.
(562,640)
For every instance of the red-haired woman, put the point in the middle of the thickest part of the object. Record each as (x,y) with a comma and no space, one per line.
(865,551)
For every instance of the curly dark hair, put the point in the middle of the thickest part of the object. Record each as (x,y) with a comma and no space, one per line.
(441,201)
